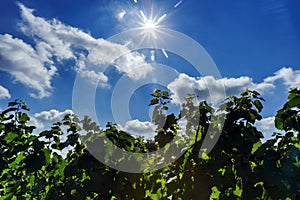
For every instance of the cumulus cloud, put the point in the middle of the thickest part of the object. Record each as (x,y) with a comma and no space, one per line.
(133,64)
(208,87)
(61,39)
(35,122)
(51,115)
(266,123)
(95,78)
(43,120)
(138,128)
(23,62)
(53,42)
(266,126)
(4,93)
(290,77)
(205,86)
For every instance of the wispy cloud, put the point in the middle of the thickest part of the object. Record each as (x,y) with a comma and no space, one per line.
(4,93)
(34,65)
(121,14)
(290,77)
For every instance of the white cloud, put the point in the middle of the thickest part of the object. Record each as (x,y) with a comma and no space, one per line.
(205,86)
(138,128)
(34,122)
(43,120)
(184,85)
(53,38)
(266,123)
(133,64)
(23,62)
(4,93)
(34,65)
(95,78)
(290,77)
(56,38)
(266,126)
(51,115)
(121,14)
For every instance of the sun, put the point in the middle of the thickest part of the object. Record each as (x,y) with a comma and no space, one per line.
(150,27)
(150,24)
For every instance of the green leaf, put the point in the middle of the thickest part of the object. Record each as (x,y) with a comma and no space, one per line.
(237,191)
(204,156)
(294,102)
(10,136)
(18,160)
(245,93)
(25,107)
(215,193)
(31,181)
(278,120)
(165,93)
(255,93)
(47,153)
(256,146)
(73,192)
(9,195)
(67,117)
(258,105)
(156,93)
(154,101)
(23,117)
(9,110)
(11,104)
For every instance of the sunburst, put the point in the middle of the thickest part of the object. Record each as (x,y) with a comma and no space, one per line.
(151,22)
(150,27)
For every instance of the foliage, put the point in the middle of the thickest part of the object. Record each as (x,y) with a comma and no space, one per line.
(239,167)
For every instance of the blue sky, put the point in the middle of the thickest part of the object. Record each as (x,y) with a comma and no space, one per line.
(45,44)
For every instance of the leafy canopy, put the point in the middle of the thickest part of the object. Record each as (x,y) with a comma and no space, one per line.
(239,167)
